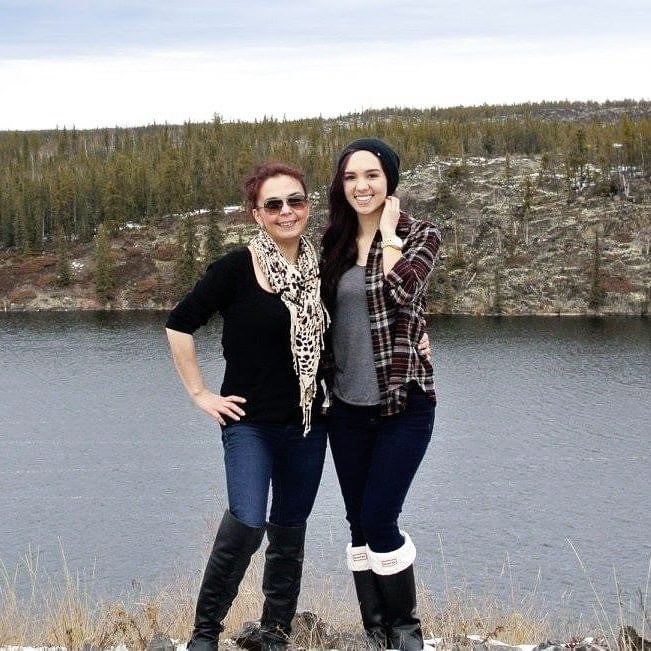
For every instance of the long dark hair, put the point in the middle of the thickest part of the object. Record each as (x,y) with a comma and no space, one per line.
(339,242)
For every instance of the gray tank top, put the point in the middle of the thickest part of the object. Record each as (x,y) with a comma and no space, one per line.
(355,379)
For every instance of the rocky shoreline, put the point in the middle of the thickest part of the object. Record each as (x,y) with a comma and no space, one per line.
(312,634)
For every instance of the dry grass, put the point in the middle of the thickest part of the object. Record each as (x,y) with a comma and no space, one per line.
(460,614)
(64,613)
(615,632)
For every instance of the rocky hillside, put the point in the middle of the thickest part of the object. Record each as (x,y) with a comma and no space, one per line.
(519,238)
(143,269)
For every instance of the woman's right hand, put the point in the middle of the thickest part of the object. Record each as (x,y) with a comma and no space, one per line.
(219,406)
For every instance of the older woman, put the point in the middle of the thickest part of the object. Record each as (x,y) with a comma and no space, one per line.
(269,403)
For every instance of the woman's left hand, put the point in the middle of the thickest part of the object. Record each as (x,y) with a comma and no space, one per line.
(424,349)
(390,216)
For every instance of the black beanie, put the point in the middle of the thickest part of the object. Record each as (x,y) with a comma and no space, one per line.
(389,160)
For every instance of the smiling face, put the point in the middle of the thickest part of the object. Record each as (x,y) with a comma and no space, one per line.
(288,225)
(365,183)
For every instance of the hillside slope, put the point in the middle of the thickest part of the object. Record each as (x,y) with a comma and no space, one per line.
(518,239)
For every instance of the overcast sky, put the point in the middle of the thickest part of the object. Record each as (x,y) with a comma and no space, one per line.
(133,62)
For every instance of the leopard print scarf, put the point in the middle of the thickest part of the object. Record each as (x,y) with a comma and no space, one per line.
(300,290)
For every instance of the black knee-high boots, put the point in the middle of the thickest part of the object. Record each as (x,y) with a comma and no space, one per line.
(281,584)
(234,545)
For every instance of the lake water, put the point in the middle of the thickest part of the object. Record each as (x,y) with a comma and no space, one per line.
(542,443)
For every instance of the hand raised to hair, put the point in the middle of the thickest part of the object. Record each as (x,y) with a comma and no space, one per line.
(218,406)
(389,218)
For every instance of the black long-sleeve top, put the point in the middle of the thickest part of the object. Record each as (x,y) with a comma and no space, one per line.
(255,337)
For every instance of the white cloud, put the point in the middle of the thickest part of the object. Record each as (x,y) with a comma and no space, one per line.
(247,83)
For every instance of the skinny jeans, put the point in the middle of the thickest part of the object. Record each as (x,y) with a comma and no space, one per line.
(376,458)
(258,456)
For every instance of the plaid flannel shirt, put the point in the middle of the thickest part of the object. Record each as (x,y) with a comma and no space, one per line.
(396,307)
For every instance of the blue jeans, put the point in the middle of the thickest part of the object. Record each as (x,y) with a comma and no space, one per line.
(376,458)
(257,455)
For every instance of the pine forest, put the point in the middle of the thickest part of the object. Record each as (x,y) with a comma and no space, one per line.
(134,213)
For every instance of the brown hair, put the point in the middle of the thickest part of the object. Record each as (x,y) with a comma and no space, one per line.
(260,173)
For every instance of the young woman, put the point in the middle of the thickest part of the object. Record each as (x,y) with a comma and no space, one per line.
(375,265)
(269,406)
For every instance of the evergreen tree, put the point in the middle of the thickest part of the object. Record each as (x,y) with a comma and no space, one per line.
(63,194)
(186,267)
(7,212)
(527,198)
(65,275)
(597,294)
(445,200)
(172,191)
(214,244)
(21,231)
(103,274)
(577,154)
(498,298)
(543,171)
(118,194)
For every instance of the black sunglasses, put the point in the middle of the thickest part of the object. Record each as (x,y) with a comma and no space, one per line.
(274,206)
